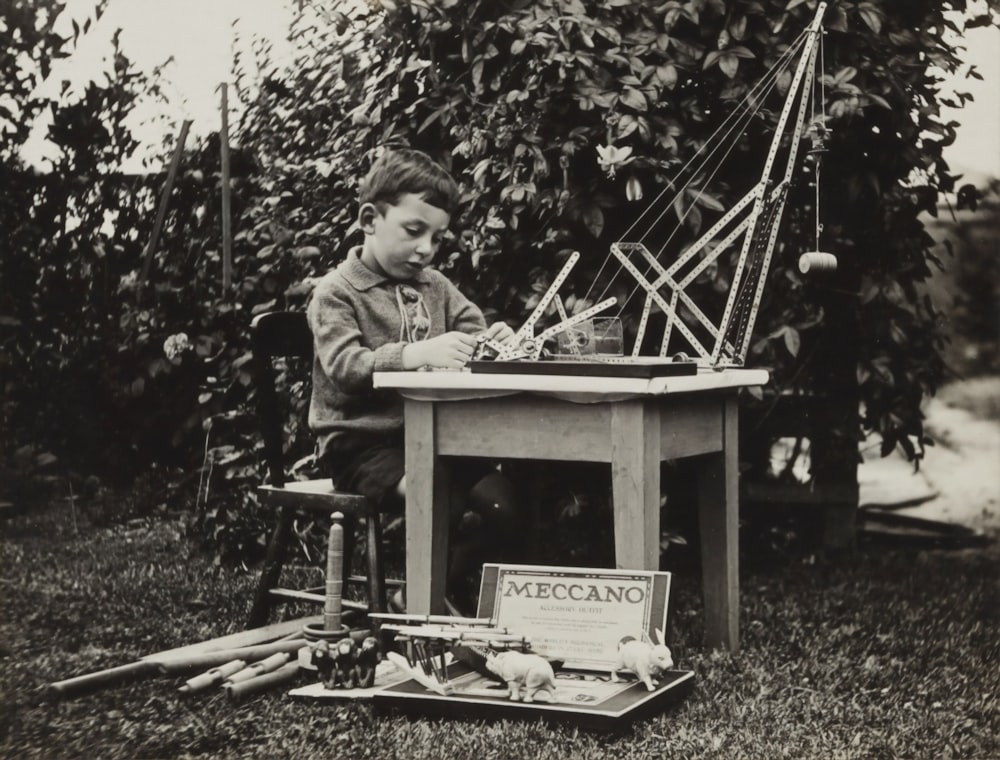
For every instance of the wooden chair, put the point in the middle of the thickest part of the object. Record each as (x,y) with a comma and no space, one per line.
(287,334)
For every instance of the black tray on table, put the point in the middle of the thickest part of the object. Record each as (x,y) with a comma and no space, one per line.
(587,368)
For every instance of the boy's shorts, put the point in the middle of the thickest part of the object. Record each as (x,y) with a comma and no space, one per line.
(373,470)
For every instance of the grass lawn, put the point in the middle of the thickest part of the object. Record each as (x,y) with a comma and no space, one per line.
(887,652)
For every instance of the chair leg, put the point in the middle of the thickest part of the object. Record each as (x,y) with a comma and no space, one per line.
(350,523)
(376,572)
(274,560)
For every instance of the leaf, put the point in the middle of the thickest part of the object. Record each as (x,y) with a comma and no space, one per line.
(593,220)
(738,28)
(871,16)
(43,460)
(793,340)
(729,64)
(666,75)
(435,115)
(879,101)
(633,98)
(708,201)
(633,189)
(477,75)
(517,46)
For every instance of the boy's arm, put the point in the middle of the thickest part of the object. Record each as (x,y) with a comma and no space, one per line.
(337,342)
(463,315)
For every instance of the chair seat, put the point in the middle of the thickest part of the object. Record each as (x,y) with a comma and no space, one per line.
(316,495)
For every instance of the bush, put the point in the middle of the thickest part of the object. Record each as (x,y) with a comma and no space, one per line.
(515,99)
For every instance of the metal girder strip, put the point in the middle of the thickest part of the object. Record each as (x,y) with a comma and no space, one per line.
(646,285)
(717,227)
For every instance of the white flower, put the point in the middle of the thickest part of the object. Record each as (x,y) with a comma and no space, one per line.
(611,158)
(176,345)
(128,281)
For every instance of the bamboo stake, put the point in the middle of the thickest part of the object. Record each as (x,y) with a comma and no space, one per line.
(161,211)
(227,232)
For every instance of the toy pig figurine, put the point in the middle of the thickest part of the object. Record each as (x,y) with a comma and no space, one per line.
(530,671)
(644,658)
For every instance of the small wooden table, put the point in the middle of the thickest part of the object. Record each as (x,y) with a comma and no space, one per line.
(632,423)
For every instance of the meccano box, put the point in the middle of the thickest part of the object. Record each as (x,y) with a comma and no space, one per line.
(575,617)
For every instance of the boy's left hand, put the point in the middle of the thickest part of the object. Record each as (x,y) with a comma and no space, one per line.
(501,332)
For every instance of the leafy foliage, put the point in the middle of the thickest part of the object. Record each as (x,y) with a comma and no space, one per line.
(559,116)
(560,119)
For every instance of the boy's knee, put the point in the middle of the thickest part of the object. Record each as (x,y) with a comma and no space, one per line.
(494,498)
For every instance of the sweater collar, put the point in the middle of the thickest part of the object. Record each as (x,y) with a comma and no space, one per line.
(362,278)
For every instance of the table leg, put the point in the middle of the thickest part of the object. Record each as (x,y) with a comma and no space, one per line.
(426,512)
(635,484)
(718,515)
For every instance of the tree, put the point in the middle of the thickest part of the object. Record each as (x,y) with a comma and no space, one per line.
(71,235)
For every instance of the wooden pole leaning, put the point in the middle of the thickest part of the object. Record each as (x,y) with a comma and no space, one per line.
(227,232)
(161,211)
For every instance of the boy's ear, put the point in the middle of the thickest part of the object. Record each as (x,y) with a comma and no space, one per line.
(366,218)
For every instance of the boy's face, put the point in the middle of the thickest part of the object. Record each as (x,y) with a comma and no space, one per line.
(402,241)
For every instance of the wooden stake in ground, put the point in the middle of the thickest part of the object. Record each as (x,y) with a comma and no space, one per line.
(227,232)
(161,211)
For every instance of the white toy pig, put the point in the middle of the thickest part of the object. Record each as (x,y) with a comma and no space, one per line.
(530,671)
(644,658)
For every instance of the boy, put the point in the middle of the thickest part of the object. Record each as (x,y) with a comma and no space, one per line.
(384,309)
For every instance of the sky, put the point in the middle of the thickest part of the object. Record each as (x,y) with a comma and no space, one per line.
(199,35)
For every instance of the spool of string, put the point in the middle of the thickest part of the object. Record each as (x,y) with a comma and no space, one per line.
(334,574)
(817,263)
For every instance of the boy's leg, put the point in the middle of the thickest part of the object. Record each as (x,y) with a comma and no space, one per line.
(487,527)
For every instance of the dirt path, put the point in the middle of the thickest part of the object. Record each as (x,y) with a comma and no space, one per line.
(959,478)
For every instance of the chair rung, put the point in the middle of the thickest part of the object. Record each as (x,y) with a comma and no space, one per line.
(291,593)
(363,579)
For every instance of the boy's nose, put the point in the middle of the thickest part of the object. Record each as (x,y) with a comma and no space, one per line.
(426,246)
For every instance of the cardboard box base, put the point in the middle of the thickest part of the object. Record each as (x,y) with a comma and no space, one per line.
(616,707)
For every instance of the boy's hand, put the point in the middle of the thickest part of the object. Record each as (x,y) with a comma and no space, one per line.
(501,332)
(449,351)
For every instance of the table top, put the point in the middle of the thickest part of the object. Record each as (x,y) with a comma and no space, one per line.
(434,385)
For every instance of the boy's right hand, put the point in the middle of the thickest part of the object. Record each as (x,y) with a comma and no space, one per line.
(449,351)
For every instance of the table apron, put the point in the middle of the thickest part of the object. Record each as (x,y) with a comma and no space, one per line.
(539,427)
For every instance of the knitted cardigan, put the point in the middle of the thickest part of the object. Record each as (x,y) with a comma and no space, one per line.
(359,325)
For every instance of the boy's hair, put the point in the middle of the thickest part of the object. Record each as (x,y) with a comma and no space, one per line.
(399,171)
